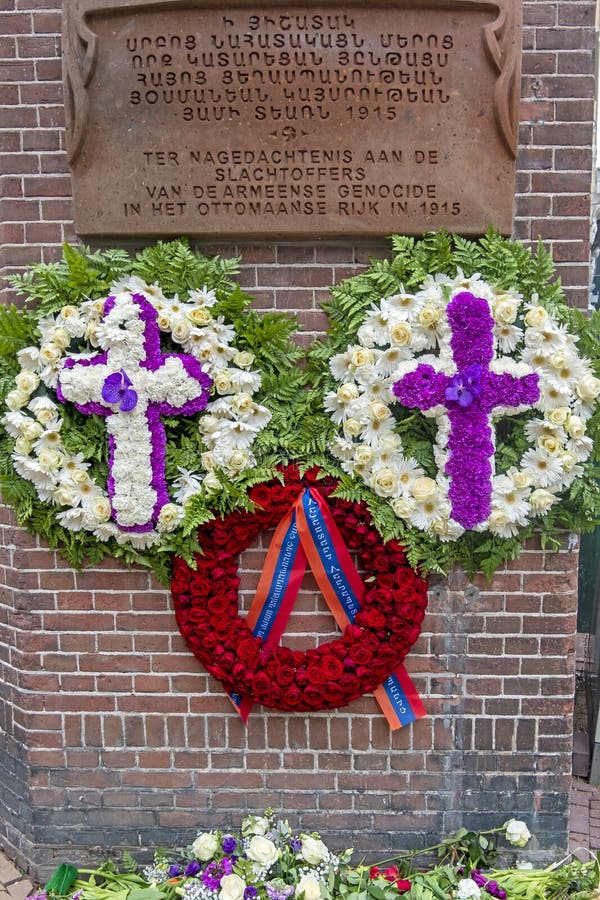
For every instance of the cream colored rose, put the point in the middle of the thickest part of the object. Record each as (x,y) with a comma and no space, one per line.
(550,444)
(232,887)
(347,392)
(568,461)
(238,460)
(575,427)
(200,316)
(557,416)
(536,316)
(27,382)
(263,851)
(558,360)
(242,404)
(390,443)
(209,424)
(364,455)
(309,888)
(98,307)
(505,311)
(255,825)
(517,833)
(16,399)
(362,356)
(164,322)
(64,495)
(378,411)
(31,430)
(423,488)
(588,387)
(211,483)
(22,445)
(101,509)
(50,459)
(180,330)
(46,414)
(50,353)
(352,427)
(169,517)
(401,334)
(206,845)
(498,519)
(68,312)
(313,850)
(385,482)
(541,500)
(60,337)
(79,476)
(208,461)
(403,506)
(222,381)
(520,480)
(243,359)
(429,316)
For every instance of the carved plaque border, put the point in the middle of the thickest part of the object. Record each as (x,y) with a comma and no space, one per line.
(501,37)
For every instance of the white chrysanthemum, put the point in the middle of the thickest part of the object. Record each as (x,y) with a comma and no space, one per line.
(508,337)
(203,296)
(544,468)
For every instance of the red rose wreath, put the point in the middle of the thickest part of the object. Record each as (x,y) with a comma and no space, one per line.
(331,675)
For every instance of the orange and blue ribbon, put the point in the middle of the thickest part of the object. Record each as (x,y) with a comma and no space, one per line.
(309,534)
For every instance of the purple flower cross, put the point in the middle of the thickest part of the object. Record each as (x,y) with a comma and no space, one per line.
(129,385)
(470,397)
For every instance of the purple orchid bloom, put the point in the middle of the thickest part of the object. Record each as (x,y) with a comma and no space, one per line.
(117,389)
(465,386)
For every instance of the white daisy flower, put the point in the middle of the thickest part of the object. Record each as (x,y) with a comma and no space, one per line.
(545,469)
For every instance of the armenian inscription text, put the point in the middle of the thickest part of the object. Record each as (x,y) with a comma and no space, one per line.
(289,123)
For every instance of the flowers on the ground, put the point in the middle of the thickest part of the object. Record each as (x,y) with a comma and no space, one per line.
(463,871)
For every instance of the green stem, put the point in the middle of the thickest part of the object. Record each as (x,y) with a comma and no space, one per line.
(412,853)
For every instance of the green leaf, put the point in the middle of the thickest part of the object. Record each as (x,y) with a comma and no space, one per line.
(62,878)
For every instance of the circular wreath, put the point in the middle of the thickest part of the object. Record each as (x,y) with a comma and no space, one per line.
(133,399)
(462,400)
(328,676)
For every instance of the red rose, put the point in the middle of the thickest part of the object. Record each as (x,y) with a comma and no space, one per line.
(361,654)
(391,873)
(374,872)
(261,683)
(331,667)
(403,884)
(316,675)
(314,695)
(219,604)
(248,651)
(286,675)
(292,697)
(200,587)
(260,495)
(382,563)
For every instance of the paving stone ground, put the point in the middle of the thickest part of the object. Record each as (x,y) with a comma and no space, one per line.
(584,837)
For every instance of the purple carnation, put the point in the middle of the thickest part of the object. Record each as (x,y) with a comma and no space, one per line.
(214,871)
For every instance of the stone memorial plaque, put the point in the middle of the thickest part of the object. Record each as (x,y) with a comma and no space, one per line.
(312,120)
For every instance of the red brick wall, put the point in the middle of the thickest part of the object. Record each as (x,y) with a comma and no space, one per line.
(111,733)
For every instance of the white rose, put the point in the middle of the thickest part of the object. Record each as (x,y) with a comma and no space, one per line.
(551,444)
(169,517)
(557,416)
(423,488)
(575,427)
(364,455)
(401,334)
(498,519)
(242,404)
(541,500)
(101,509)
(588,387)
(313,850)
(378,411)
(403,506)
(50,353)
(22,446)
(163,322)
(50,459)
(222,381)
(385,482)
(255,825)
(232,887)
(64,495)
(211,483)
(361,356)
(263,851)
(309,888)
(180,329)
(205,846)
(517,833)
(27,381)
(468,890)
(46,414)
(68,311)
(347,392)
(208,461)
(61,337)
(536,317)
(200,316)
(505,311)
(243,359)
(32,430)
(352,427)
(16,400)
